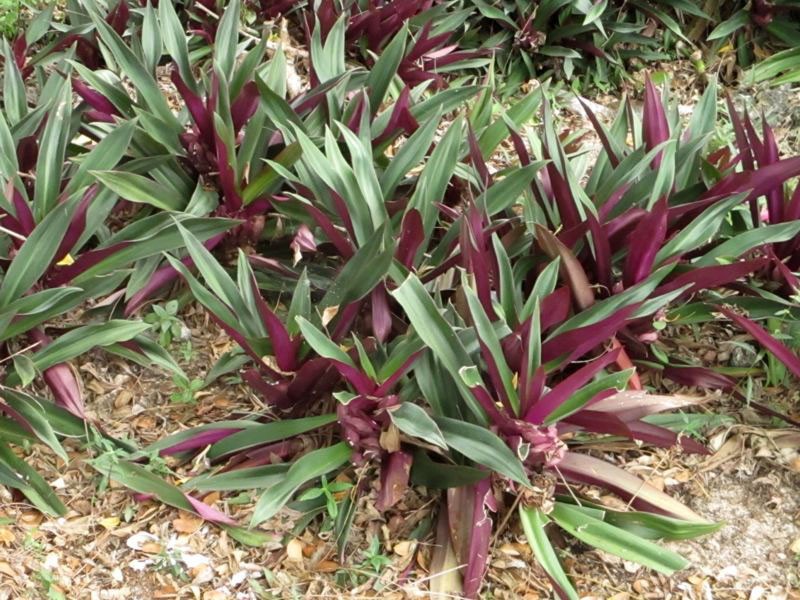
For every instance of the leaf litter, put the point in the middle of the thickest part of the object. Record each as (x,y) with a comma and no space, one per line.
(110,546)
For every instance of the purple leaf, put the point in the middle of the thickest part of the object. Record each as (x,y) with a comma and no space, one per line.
(571,270)
(582,468)
(201,440)
(200,114)
(244,106)
(163,277)
(578,341)
(283,346)
(655,128)
(644,243)
(609,423)
(395,471)
(381,313)
(471,530)
(790,360)
(274,394)
(758,182)
(476,158)
(209,513)
(77,225)
(387,385)
(699,377)
(633,405)
(602,251)
(705,278)
(23,213)
(85,261)
(94,98)
(555,308)
(400,120)
(598,128)
(559,187)
(768,157)
(566,388)
(740,135)
(61,379)
(412,235)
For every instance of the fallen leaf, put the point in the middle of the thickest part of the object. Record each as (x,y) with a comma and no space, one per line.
(168,591)
(6,569)
(30,519)
(109,523)
(327,566)
(152,548)
(211,498)
(404,548)
(187,524)
(7,536)
(294,550)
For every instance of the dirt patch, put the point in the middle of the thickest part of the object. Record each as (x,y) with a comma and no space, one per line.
(753,553)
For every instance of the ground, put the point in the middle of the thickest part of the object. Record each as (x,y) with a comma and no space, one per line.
(110,546)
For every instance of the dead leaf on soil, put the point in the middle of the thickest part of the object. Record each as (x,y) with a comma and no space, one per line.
(187,523)
(6,569)
(7,536)
(294,550)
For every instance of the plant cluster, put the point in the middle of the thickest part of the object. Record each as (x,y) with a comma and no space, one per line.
(435,292)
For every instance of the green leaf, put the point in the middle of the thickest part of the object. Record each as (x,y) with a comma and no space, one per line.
(148,355)
(700,230)
(251,478)
(482,446)
(505,192)
(385,68)
(729,26)
(328,58)
(579,399)
(35,417)
(103,156)
(249,537)
(36,254)
(488,337)
(24,366)
(52,150)
(8,153)
(414,421)
(16,473)
(649,525)
(14,100)
(306,468)
(268,176)
(175,41)
(366,178)
(533,522)
(322,344)
(368,266)
(265,433)
(408,156)
(615,540)
(148,237)
(436,174)
(739,244)
(443,476)
(437,334)
(139,479)
(136,188)
(227,38)
(82,339)
(152,46)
